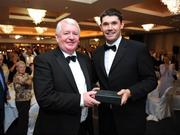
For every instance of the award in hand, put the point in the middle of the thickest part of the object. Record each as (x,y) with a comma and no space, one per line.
(107,96)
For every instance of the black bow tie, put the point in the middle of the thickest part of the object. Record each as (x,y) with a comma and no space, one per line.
(106,47)
(69,58)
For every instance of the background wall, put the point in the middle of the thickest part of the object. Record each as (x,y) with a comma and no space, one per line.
(163,42)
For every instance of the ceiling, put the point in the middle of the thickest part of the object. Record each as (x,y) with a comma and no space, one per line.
(136,13)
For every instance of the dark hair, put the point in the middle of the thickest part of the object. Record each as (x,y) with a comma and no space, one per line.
(111,12)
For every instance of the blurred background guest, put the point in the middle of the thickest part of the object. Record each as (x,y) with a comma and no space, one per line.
(13,59)
(4,67)
(22,82)
(3,96)
(167,73)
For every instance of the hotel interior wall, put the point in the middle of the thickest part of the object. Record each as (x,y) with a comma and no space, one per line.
(156,41)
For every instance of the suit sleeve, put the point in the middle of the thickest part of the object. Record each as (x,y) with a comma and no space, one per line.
(148,80)
(47,97)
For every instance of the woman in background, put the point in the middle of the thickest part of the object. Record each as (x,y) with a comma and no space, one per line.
(22,82)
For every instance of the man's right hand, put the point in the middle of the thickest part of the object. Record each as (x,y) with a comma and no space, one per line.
(89,100)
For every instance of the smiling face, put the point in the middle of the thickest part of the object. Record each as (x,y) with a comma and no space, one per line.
(21,67)
(68,36)
(111,27)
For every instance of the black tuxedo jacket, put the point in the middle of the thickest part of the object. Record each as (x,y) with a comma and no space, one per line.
(57,94)
(132,69)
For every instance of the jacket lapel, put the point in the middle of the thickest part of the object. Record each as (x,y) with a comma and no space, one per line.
(101,57)
(85,71)
(120,53)
(65,67)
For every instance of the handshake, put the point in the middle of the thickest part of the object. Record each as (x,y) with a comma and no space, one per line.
(97,96)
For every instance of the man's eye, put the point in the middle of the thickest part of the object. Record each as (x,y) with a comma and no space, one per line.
(105,24)
(66,33)
(75,33)
(114,23)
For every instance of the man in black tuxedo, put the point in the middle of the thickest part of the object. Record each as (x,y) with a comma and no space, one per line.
(123,66)
(62,79)
(3,99)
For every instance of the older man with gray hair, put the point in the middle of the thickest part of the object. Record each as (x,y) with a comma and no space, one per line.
(63,86)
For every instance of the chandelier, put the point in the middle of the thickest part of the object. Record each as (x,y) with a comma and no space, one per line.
(172,5)
(40,30)
(97,20)
(147,27)
(7,28)
(36,14)
(85,1)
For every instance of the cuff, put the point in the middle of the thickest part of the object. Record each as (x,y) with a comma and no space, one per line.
(82,101)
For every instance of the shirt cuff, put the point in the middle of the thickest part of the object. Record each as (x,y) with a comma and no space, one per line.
(82,101)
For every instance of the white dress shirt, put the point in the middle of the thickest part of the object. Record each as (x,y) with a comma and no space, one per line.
(110,54)
(80,82)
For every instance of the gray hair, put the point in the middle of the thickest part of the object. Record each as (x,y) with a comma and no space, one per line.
(68,21)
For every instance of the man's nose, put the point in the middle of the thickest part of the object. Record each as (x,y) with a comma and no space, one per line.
(71,36)
(110,26)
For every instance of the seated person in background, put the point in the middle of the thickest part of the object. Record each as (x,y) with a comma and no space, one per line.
(167,71)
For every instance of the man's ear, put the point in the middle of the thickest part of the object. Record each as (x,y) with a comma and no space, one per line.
(56,38)
(122,24)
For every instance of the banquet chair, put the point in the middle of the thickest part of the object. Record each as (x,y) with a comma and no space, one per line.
(157,107)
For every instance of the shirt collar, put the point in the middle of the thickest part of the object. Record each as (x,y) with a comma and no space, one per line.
(66,54)
(116,43)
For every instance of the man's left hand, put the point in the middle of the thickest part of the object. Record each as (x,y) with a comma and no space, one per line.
(125,94)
